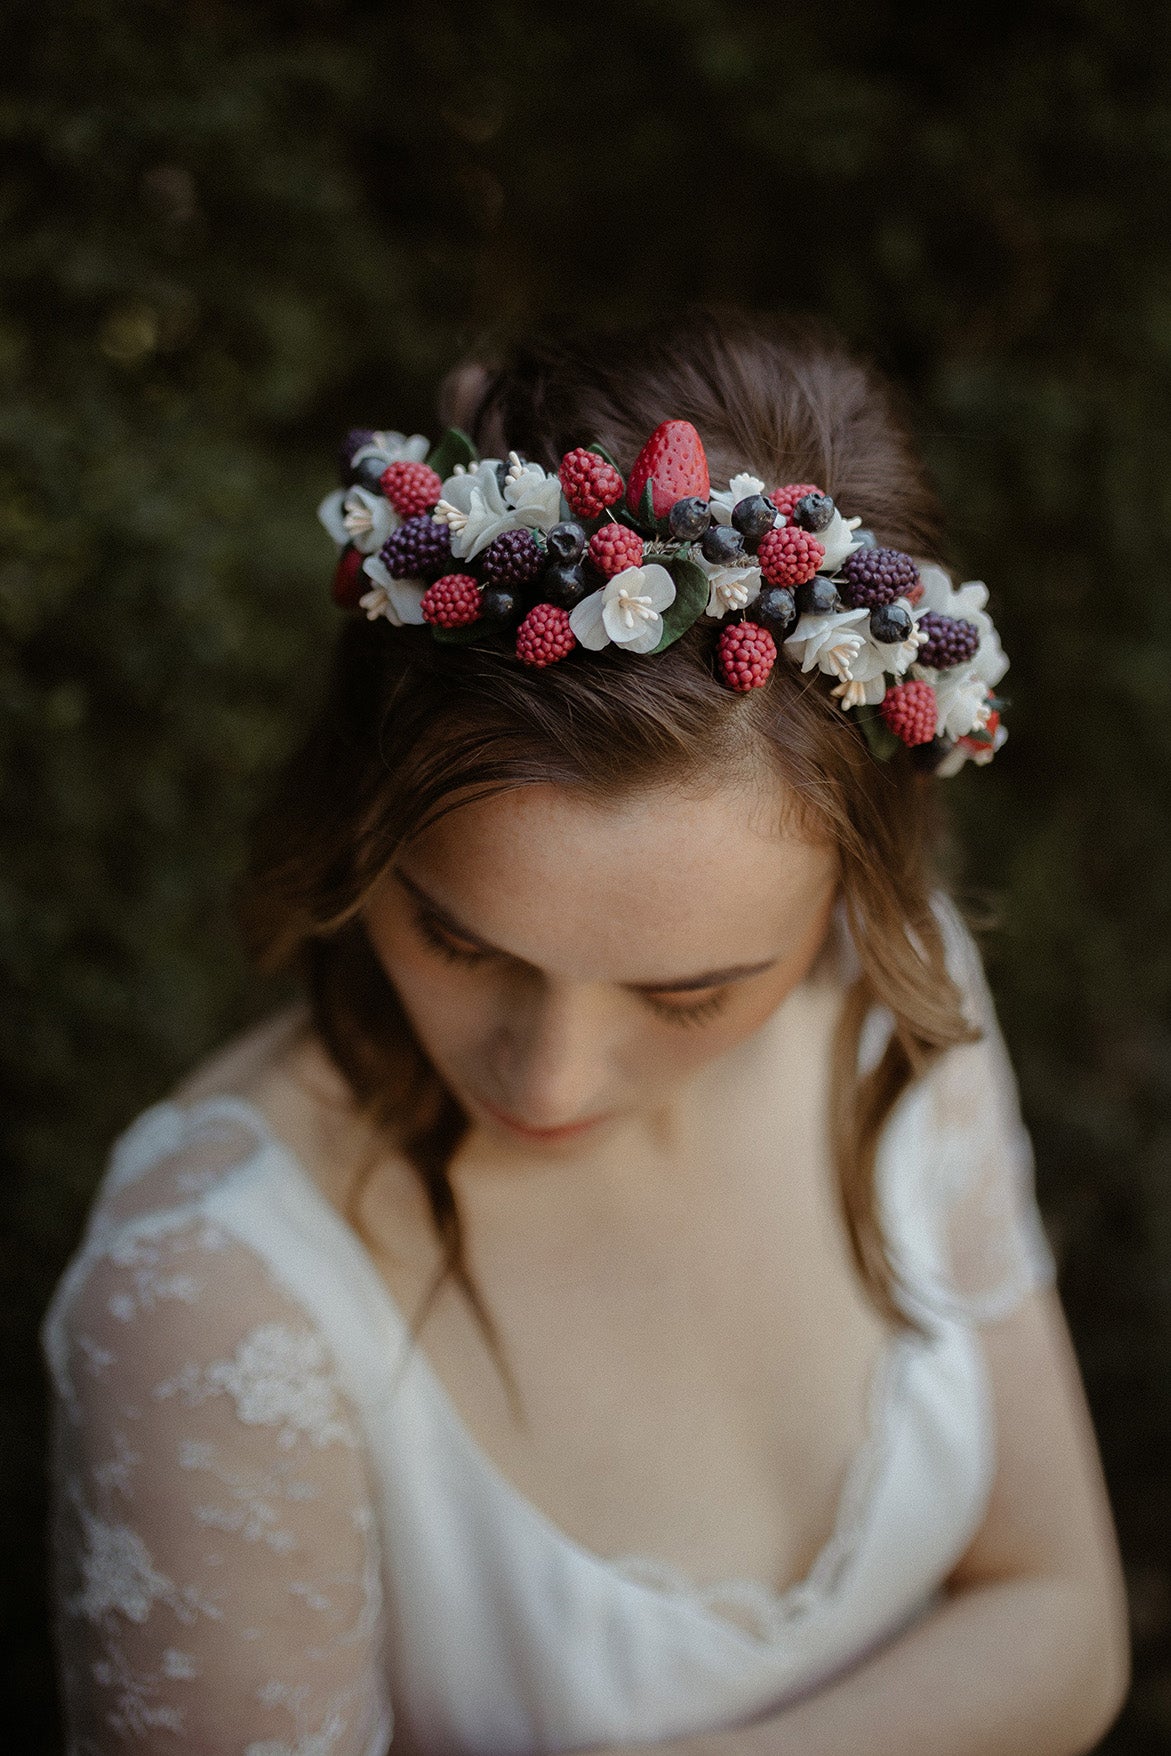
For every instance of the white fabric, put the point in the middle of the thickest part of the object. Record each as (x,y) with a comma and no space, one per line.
(271,1541)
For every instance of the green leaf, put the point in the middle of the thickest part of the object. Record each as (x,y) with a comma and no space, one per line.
(882,741)
(600,451)
(692,591)
(454,447)
(646,508)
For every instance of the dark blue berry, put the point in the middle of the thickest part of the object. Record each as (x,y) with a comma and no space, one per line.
(503,467)
(498,603)
(818,597)
(353,442)
(814,513)
(722,544)
(368,473)
(866,538)
(688,519)
(890,623)
(564,586)
(566,542)
(776,608)
(753,517)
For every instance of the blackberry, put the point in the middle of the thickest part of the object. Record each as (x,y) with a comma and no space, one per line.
(753,516)
(722,544)
(564,586)
(818,597)
(951,640)
(814,512)
(890,623)
(512,558)
(567,541)
(876,576)
(688,519)
(418,549)
(776,610)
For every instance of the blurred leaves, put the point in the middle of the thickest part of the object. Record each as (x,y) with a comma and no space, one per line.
(230,233)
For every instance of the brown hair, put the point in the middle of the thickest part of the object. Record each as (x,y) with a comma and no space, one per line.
(412,728)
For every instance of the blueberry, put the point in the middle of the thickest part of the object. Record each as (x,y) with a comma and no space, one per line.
(867,539)
(776,608)
(503,467)
(368,473)
(566,542)
(814,513)
(721,544)
(563,585)
(688,519)
(754,516)
(891,622)
(499,603)
(818,597)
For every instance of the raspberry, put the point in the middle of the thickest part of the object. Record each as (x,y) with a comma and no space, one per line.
(614,548)
(349,581)
(877,576)
(909,709)
(411,488)
(745,655)
(513,558)
(589,483)
(544,636)
(785,499)
(951,640)
(789,556)
(418,549)
(452,601)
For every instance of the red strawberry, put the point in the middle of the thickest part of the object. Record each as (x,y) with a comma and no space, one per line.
(674,462)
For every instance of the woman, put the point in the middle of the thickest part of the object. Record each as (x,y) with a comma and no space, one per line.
(646,1059)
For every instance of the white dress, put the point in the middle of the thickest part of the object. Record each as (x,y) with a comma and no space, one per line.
(269,1541)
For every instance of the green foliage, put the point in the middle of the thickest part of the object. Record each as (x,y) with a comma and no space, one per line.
(232,233)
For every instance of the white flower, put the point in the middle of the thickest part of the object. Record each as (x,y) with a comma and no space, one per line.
(832,642)
(872,663)
(476,508)
(723,500)
(396,599)
(961,697)
(355,515)
(628,610)
(393,448)
(837,539)
(731,587)
(967,604)
(961,753)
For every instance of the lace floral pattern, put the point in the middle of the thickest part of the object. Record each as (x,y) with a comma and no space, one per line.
(216,1554)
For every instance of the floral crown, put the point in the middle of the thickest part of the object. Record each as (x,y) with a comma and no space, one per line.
(471,547)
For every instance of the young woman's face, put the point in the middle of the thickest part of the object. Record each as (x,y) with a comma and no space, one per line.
(568,966)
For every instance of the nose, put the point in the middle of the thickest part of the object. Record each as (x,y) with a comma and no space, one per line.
(554,1055)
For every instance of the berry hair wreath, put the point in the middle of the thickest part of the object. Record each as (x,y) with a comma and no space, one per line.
(475,547)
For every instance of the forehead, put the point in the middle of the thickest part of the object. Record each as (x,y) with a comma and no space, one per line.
(644,887)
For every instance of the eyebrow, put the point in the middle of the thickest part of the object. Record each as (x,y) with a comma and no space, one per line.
(736,972)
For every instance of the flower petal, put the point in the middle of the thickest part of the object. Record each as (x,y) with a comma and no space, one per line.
(585,621)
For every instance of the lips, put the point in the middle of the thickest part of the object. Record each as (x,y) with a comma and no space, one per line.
(560,1133)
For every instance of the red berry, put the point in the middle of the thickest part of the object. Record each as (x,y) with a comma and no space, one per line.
(411,488)
(674,462)
(614,548)
(451,602)
(789,556)
(745,655)
(786,498)
(909,709)
(589,483)
(544,636)
(350,583)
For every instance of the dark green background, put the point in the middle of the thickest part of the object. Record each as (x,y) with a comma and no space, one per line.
(230,232)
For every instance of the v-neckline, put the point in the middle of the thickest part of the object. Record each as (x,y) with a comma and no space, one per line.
(771,1611)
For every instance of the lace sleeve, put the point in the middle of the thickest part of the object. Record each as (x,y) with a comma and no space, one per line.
(974,1185)
(215,1555)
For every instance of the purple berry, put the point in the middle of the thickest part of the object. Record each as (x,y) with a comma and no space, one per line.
(418,549)
(951,640)
(876,576)
(513,558)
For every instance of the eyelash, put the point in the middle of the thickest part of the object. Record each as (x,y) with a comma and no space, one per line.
(683,1015)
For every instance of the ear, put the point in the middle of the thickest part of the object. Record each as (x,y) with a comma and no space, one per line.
(461,395)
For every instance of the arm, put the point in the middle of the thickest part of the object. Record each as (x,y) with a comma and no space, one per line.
(1029,1655)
